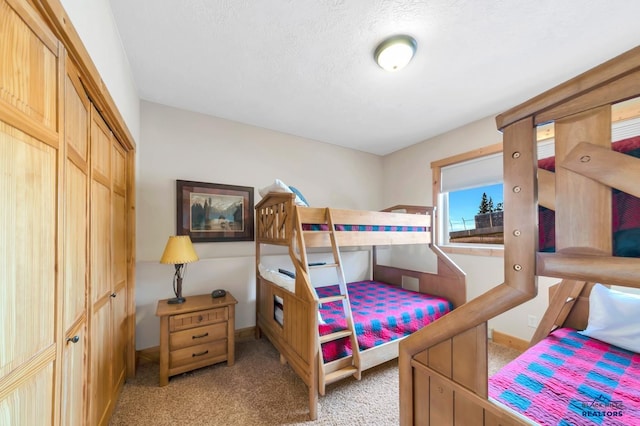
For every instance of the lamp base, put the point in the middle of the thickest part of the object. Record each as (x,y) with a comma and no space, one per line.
(176,300)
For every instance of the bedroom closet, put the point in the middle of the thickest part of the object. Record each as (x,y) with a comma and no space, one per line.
(67,199)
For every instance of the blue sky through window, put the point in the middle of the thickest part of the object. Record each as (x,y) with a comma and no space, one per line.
(464,204)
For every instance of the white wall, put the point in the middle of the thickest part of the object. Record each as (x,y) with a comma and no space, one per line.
(178,144)
(94,22)
(407,180)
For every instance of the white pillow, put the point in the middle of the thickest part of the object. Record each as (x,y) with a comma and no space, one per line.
(614,318)
(280,186)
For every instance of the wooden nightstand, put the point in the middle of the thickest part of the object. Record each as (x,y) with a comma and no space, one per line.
(196,333)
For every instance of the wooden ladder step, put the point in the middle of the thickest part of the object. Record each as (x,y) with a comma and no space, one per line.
(340,374)
(335,336)
(325,265)
(330,299)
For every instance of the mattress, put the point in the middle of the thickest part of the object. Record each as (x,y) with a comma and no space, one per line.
(381,313)
(571,379)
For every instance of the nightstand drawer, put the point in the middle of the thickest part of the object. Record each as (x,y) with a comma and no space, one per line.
(197,335)
(197,354)
(196,319)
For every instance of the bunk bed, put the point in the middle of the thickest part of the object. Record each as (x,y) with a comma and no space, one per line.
(439,383)
(323,333)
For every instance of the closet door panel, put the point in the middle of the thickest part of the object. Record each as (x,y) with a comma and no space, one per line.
(32,402)
(101,380)
(77,226)
(74,378)
(119,345)
(31,95)
(28,188)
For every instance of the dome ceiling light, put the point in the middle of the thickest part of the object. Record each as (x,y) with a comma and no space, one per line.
(395,52)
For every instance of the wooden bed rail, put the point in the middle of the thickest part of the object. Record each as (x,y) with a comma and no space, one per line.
(274,222)
(624,271)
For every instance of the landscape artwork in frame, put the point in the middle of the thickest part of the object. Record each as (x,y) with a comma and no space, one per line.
(213,212)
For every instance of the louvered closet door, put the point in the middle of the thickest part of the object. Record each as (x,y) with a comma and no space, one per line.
(74,373)
(101,278)
(29,142)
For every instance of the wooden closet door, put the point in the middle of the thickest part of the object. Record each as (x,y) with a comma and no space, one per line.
(29,189)
(74,370)
(101,273)
(119,243)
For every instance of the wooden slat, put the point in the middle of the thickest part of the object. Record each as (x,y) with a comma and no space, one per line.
(339,375)
(547,189)
(367,238)
(420,382)
(623,271)
(440,358)
(440,396)
(578,196)
(335,336)
(621,89)
(558,309)
(598,76)
(331,299)
(362,217)
(603,165)
(466,411)
(471,344)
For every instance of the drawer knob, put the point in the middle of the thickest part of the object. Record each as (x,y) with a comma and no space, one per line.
(113,295)
(200,318)
(200,354)
(200,336)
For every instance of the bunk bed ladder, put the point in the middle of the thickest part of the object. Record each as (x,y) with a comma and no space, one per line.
(352,369)
(559,308)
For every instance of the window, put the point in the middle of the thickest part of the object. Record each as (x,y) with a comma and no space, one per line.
(470,197)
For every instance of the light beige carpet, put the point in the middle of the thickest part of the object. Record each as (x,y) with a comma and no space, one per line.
(258,390)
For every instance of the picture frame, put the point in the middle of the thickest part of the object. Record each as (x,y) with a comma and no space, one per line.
(214,212)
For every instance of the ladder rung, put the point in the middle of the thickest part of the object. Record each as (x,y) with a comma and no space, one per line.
(340,374)
(326,265)
(330,299)
(334,336)
(322,231)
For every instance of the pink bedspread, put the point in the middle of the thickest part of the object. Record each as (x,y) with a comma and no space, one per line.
(381,313)
(570,379)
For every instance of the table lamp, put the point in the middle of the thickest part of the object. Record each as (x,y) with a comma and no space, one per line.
(178,251)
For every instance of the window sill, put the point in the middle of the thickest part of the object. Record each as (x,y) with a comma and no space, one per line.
(496,250)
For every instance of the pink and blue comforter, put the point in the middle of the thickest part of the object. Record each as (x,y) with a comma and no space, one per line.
(381,313)
(569,379)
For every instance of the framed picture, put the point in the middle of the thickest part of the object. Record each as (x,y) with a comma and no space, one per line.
(213,212)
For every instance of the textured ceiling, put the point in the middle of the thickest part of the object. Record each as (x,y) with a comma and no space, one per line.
(305,67)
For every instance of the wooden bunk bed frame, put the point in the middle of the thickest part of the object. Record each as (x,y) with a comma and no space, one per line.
(279,222)
(441,380)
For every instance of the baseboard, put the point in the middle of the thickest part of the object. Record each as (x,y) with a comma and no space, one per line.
(152,354)
(245,334)
(509,341)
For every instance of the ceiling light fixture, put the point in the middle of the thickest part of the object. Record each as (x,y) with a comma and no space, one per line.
(396,52)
